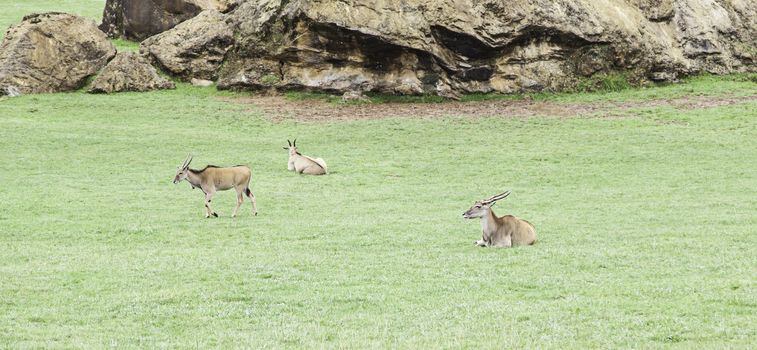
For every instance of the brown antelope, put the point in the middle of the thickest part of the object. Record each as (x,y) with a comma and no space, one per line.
(303,164)
(503,231)
(213,178)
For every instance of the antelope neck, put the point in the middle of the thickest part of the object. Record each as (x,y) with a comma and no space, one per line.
(489,221)
(194,179)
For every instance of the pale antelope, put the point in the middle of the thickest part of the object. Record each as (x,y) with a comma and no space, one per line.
(503,231)
(303,164)
(212,179)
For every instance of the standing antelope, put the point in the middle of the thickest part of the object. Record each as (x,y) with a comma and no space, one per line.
(213,178)
(503,231)
(303,164)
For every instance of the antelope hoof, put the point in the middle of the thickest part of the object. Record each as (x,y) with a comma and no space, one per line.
(214,214)
(256,213)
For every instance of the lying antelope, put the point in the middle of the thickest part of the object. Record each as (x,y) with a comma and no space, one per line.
(503,231)
(213,178)
(304,164)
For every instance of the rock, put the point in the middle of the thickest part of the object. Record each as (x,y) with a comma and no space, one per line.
(655,10)
(201,82)
(140,19)
(450,47)
(193,49)
(11,91)
(129,71)
(529,84)
(355,96)
(444,90)
(52,52)
(662,76)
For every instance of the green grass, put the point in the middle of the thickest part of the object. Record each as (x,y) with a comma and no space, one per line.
(604,82)
(125,45)
(645,225)
(698,85)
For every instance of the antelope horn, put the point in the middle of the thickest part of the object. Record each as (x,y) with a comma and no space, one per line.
(184,163)
(289,142)
(497,197)
(189,160)
(294,143)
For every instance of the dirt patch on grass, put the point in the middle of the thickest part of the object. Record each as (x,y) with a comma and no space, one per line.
(281,108)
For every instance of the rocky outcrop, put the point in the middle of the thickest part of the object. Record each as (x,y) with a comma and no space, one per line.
(193,49)
(443,47)
(453,46)
(140,19)
(129,72)
(52,52)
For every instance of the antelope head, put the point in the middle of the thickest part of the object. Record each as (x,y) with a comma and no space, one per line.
(481,208)
(182,171)
(292,147)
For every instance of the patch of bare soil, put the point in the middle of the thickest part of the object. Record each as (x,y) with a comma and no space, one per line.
(280,108)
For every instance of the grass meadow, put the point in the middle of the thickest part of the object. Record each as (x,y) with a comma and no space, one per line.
(645,222)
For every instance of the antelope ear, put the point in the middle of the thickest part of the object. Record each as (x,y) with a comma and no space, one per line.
(285,147)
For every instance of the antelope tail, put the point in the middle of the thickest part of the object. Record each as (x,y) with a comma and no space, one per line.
(322,163)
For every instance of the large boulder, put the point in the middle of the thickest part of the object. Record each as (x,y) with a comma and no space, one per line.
(52,52)
(193,49)
(140,19)
(129,71)
(451,46)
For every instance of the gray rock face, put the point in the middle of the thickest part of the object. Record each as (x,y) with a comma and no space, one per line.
(129,71)
(52,52)
(451,46)
(193,49)
(140,19)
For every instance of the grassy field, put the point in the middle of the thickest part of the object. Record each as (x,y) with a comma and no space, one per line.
(645,223)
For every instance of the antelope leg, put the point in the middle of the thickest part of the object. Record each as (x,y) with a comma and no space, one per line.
(208,198)
(240,199)
(505,242)
(254,203)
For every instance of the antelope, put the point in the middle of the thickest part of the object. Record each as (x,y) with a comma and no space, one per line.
(212,178)
(503,231)
(303,164)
